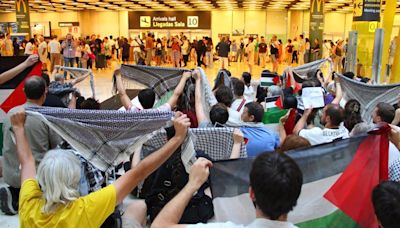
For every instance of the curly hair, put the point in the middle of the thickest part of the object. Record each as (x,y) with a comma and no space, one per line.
(352,113)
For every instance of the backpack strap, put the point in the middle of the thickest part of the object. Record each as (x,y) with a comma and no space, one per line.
(241,105)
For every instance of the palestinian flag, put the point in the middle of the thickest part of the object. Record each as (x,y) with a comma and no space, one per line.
(268,79)
(12,91)
(338,179)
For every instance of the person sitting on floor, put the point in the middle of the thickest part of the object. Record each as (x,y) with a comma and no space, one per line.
(248,89)
(260,138)
(275,186)
(332,118)
(53,199)
(386,201)
(40,136)
(238,103)
(147,96)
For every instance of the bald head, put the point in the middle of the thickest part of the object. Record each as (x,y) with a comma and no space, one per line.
(35,88)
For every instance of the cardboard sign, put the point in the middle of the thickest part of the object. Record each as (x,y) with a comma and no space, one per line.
(313,97)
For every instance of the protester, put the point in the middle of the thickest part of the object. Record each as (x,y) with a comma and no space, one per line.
(10,74)
(57,200)
(147,96)
(41,139)
(293,142)
(238,103)
(248,88)
(332,118)
(260,139)
(275,186)
(386,201)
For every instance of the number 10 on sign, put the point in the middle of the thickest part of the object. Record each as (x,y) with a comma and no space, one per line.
(192,21)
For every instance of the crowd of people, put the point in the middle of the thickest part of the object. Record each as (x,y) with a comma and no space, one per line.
(50,195)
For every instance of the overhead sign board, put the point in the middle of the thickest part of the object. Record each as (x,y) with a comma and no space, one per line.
(68,24)
(367,10)
(169,20)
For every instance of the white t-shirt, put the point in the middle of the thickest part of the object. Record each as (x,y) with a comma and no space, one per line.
(257,223)
(238,102)
(248,93)
(54,46)
(42,47)
(317,135)
(234,117)
(29,49)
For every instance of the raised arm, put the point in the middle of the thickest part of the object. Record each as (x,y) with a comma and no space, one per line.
(179,89)
(339,92)
(282,131)
(200,115)
(76,80)
(24,152)
(10,74)
(302,121)
(127,182)
(124,98)
(170,215)
(237,143)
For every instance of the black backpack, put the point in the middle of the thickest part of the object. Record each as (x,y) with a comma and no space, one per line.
(167,182)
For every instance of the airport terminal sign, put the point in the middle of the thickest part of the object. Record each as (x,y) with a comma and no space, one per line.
(169,20)
(367,10)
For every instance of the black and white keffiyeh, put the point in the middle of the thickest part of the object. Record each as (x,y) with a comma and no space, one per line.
(80,73)
(105,138)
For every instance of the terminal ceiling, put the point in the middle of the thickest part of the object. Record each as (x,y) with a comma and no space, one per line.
(344,6)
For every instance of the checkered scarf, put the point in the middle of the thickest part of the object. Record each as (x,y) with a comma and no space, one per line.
(215,142)
(160,79)
(105,138)
(80,73)
(369,95)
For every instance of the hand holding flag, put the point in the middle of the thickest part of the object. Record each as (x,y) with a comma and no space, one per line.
(32,59)
(199,173)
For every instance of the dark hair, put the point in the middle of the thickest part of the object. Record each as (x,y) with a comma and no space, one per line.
(276,181)
(219,114)
(386,112)
(251,39)
(46,78)
(352,114)
(224,95)
(238,87)
(146,98)
(336,113)
(289,41)
(35,87)
(246,78)
(289,102)
(292,142)
(90,103)
(32,41)
(386,201)
(255,109)
(349,75)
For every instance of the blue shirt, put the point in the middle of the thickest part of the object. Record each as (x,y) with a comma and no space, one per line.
(260,139)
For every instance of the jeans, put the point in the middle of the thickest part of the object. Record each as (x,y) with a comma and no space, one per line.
(68,62)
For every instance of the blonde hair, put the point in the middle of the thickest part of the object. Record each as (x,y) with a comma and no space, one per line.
(59,176)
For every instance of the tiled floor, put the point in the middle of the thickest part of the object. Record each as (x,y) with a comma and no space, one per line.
(103,86)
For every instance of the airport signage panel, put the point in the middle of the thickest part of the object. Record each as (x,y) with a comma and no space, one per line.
(169,20)
(367,10)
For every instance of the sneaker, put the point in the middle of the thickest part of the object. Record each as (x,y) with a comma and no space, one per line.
(7,204)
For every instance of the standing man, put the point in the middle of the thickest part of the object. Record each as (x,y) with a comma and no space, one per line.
(302,49)
(200,51)
(274,53)
(42,51)
(262,50)
(223,49)
(149,48)
(7,46)
(69,47)
(54,49)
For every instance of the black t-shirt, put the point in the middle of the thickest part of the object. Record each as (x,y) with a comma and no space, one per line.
(53,101)
(262,47)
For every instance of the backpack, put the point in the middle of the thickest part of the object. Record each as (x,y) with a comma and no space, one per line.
(167,182)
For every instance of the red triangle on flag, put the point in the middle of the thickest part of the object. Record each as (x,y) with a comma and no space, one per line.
(279,103)
(17,97)
(352,192)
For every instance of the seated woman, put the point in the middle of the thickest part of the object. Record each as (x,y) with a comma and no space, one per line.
(53,200)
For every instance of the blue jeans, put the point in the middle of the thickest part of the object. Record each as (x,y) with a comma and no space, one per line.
(68,62)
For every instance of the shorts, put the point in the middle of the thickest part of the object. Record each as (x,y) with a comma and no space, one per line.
(274,58)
